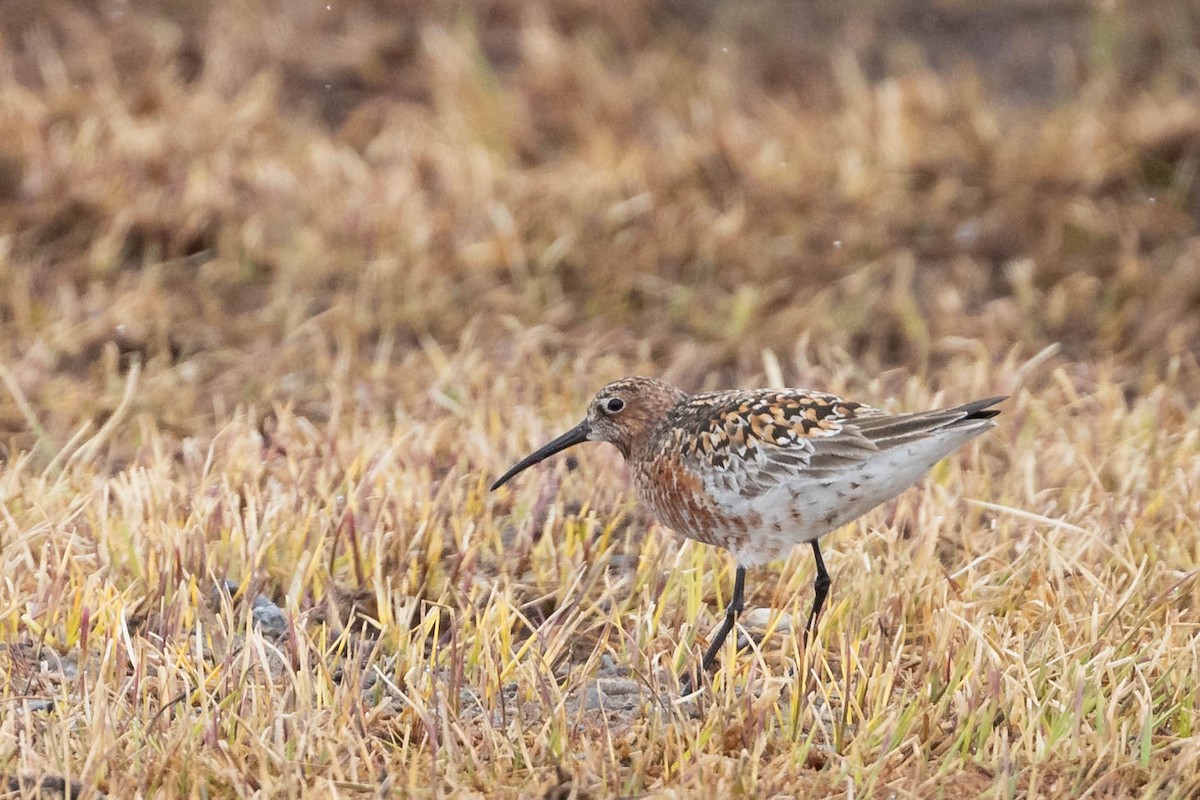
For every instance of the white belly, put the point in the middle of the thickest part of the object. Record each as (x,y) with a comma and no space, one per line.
(805,508)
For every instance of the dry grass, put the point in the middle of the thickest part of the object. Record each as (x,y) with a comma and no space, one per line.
(282,288)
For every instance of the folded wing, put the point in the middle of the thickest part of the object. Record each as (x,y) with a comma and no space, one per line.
(754,441)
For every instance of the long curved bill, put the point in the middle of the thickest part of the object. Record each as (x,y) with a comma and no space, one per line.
(571,438)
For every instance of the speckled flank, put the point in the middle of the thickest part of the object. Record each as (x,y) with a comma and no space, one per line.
(681,500)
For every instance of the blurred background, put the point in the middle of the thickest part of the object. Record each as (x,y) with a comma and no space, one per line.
(256,200)
(286,284)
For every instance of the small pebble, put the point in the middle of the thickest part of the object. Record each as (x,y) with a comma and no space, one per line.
(269,617)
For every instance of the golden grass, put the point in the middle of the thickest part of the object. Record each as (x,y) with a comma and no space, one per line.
(282,290)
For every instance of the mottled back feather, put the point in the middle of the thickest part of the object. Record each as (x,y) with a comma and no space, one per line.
(750,441)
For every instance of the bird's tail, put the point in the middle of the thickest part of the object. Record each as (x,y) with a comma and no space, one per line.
(978,409)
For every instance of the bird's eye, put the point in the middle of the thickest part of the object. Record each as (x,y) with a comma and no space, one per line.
(614,405)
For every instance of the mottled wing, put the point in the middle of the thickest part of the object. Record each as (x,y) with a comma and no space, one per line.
(749,442)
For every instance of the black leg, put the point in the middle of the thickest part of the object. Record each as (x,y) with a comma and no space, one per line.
(736,604)
(821,591)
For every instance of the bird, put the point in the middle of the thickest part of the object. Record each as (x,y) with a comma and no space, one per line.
(760,471)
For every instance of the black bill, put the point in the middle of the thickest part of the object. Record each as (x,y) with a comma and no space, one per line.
(572,437)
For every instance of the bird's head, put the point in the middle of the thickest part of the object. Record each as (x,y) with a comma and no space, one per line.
(623,413)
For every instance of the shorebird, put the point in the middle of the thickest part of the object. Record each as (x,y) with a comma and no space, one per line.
(759,471)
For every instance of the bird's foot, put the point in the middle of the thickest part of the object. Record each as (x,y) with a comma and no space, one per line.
(689,683)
